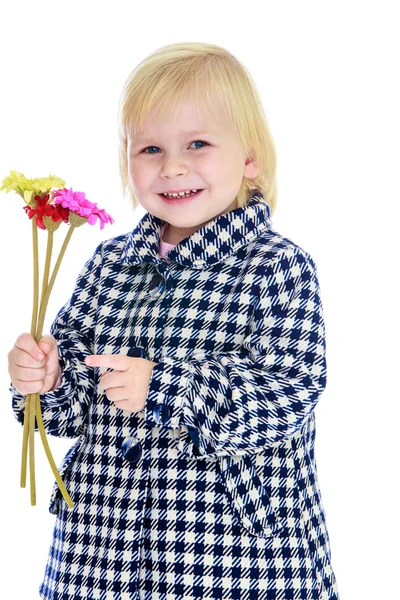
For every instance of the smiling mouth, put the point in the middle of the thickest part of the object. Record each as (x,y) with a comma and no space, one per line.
(178,199)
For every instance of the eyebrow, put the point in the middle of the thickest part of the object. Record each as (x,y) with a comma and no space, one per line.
(148,138)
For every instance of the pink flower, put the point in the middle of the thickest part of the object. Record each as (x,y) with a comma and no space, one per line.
(77,203)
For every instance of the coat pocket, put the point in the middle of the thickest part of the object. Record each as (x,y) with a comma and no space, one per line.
(56,496)
(247,497)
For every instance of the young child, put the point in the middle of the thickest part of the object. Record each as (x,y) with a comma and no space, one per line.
(194,474)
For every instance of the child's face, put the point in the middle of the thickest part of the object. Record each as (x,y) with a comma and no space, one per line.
(164,157)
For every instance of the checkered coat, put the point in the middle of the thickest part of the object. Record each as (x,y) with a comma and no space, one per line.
(211,491)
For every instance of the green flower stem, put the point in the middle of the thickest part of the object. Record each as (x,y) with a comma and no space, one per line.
(35,398)
(35,276)
(45,298)
(46,290)
(33,408)
(32,449)
(50,458)
(32,411)
(29,406)
(25,439)
(49,250)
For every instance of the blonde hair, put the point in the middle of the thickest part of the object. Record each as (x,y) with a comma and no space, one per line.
(194,70)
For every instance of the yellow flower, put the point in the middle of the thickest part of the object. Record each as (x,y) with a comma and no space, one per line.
(26,188)
(16,181)
(27,196)
(45,184)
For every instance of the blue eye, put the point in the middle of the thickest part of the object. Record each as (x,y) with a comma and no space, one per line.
(195,142)
(201,142)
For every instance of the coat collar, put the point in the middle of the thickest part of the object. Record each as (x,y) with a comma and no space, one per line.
(212,243)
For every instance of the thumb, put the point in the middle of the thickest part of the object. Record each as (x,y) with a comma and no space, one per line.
(47,343)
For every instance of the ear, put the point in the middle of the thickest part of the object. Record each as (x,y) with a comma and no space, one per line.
(251,168)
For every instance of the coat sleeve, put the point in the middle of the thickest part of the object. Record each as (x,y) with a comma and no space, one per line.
(241,402)
(64,410)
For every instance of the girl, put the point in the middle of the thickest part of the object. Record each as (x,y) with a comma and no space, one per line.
(193,475)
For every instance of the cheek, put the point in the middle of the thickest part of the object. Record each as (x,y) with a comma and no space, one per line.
(139,173)
(210,166)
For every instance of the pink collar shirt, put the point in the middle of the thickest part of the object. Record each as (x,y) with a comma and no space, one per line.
(165,246)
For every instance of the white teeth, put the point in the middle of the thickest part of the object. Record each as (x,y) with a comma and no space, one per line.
(180,195)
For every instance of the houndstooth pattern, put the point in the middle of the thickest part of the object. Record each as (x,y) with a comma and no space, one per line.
(223,501)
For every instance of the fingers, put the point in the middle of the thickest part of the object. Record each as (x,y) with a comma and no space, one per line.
(26,346)
(111,380)
(47,343)
(25,353)
(28,387)
(27,372)
(115,395)
(118,362)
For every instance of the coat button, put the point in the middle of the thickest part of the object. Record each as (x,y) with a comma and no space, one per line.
(161,413)
(194,435)
(137,352)
(131,449)
(157,286)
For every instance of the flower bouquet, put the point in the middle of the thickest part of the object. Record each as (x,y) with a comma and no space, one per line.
(47,208)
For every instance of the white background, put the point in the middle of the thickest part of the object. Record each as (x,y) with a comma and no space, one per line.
(328,74)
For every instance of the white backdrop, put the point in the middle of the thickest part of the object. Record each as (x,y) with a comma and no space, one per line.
(328,75)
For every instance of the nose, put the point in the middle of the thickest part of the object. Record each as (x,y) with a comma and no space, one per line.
(174,166)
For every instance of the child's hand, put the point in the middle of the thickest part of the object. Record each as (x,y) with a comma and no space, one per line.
(127,387)
(29,374)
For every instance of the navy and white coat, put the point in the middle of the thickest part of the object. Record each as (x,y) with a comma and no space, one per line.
(211,491)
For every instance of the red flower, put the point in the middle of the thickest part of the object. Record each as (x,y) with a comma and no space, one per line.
(59,213)
(44,209)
